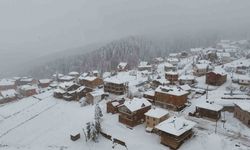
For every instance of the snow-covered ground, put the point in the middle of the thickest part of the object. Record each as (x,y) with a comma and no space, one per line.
(47,124)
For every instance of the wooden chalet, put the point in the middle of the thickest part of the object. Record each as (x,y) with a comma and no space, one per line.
(115,86)
(149,95)
(159,81)
(58,93)
(175,131)
(113,106)
(209,110)
(27,90)
(7,84)
(131,113)
(201,69)
(169,67)
(82,92)
(144,66)
(43,83)
(69,86)
(26,81)
(172,76)
(95,97)
(155,116)
(91,81)
(216,77)
(66,78)
(186,79)
(8,96)
(242,112)
(171,97)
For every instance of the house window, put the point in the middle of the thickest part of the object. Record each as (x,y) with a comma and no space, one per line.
(153,119)
(248,122)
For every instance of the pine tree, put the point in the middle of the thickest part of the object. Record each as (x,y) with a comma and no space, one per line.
(98,113)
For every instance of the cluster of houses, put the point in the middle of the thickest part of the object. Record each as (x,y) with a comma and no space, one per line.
(147,95)
(19,87)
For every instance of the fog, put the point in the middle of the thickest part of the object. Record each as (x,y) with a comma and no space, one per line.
(30,29)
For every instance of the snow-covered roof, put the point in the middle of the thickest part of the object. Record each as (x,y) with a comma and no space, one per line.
(209,106)
(89,78)
(186,77)
(175,126)
(244,105)
(144,64)
(67,78)
(160,59)
(7,82)
(196,49)
(65,85)
(171,90)
(172,73)
(44,81)
(151,93)
(113,80)
(26,79)
(27,87)
(201,66)
(8,93)
(243,77)
(58,90)
(136,104)
(219,70)
(80,88)
(162,81)
(185,87)
(97,93)
(122,65)
(157,112)
(173,60)
(168,65)
(74,73)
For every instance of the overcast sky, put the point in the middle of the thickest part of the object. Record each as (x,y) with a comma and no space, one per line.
(31,28)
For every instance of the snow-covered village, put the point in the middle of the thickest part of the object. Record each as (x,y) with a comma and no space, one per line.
(124,75)
(194,99)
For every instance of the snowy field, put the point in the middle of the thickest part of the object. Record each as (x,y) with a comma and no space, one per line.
(47,123)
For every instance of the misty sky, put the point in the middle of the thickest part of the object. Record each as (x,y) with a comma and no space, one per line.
(32,28)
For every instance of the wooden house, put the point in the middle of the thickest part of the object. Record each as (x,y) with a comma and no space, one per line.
(171,97)
(95,97)
(173,61)
(115,86)
(7,84)
(131,113)
(122,66)
(242,112)
(175,131)
(158,60)
(216,77)
(43,83)
(169,67)
(144,66)
(113,106)
(159,81)
(155,116)
(8,96)
(69,86)
(208,110)
(186,79)
(82,92)
(74,74)
(26,81)
(91,81)
(58,93)
(27,90)
(201,69)
(172,76)
(244,79)
(149,95)
(66,78)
